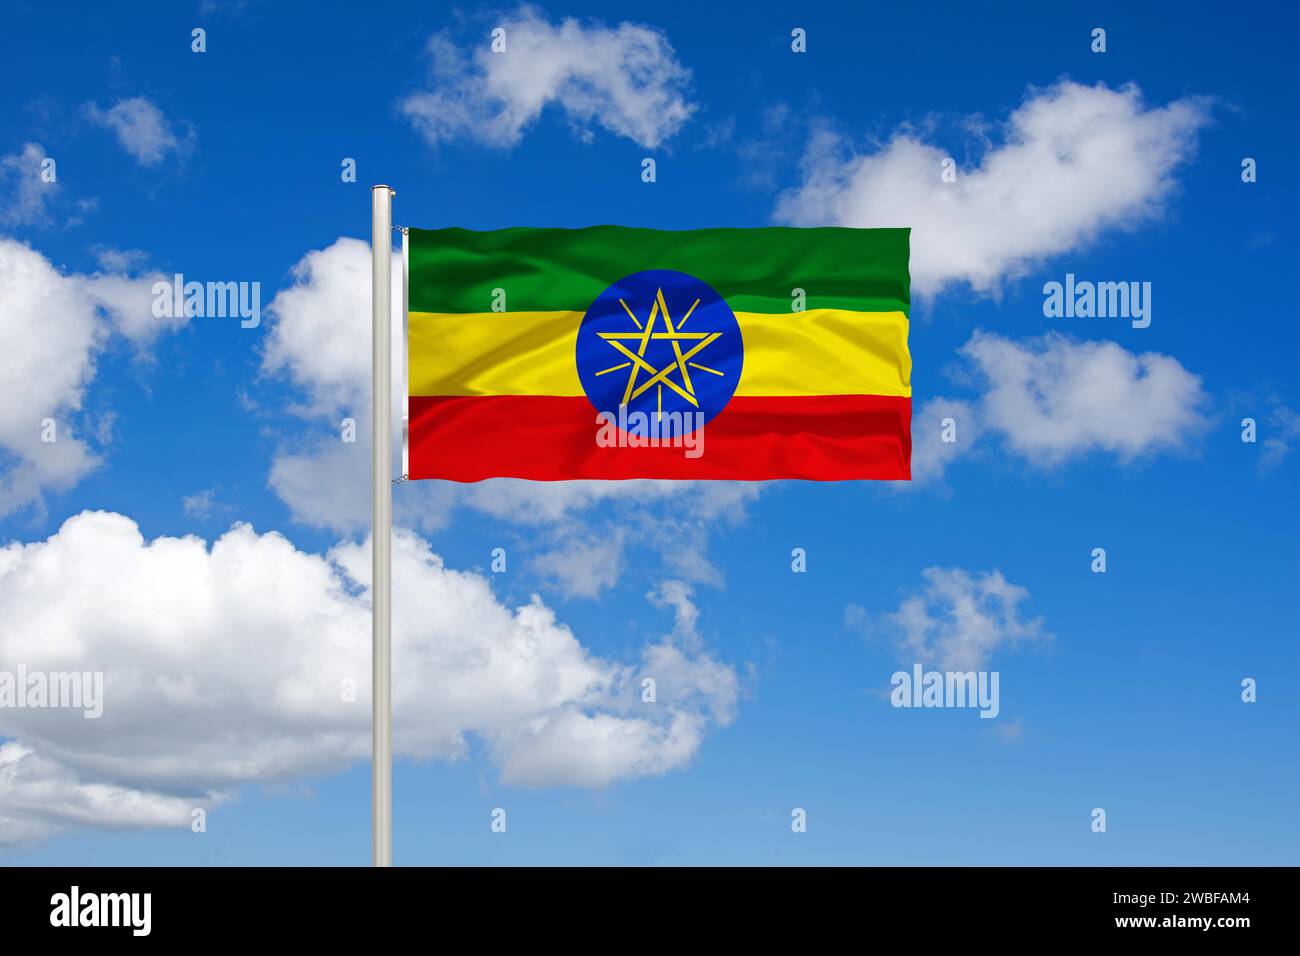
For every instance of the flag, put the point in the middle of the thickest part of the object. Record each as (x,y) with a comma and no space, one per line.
(611,352)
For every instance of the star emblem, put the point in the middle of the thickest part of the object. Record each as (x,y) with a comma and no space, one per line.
(643,336)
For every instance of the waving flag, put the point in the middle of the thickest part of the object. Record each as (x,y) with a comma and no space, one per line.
(609,352)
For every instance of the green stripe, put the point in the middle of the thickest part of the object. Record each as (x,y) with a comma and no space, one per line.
(551,270)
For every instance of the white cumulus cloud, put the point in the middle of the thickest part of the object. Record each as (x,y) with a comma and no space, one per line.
(625,79)
(231,663)
(52,326)
(582,566)
(1051,399)
(24,192)
(1073,161)
(1282,429)
(956,621)
(142,129)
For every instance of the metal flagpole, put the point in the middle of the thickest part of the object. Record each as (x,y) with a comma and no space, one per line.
(381,528)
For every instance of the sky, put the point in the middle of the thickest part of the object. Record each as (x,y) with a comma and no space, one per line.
(196,532)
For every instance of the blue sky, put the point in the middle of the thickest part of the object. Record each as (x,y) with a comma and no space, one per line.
(1119,690)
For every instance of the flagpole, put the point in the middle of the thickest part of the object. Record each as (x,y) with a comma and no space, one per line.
(381,528)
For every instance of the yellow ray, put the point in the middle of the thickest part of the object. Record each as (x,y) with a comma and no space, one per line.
(630,314)
(688,314)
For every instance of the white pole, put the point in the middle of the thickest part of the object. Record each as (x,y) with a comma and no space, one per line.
(381,529)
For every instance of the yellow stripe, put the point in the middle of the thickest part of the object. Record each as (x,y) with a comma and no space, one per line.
(818,352)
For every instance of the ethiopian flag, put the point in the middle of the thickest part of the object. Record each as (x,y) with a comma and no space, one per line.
(609,352)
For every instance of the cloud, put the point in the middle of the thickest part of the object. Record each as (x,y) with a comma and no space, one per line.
(1010,731)
(318,333)
(1283,428)
(52,327)
(1051,399)
(141,129)
(582,566)
(226,664)
(127,303)
(118,260)
(319,327)
(957,621)
(1073,161)
(678,596)
(698,692)
(27,192)
(625,79)
(204,505)
(40,797)
(931,455)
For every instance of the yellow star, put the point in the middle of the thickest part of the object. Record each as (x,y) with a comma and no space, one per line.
(644,336)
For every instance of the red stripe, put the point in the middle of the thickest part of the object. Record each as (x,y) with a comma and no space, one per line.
(545,438)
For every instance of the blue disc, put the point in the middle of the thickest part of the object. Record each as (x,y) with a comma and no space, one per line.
(663,342)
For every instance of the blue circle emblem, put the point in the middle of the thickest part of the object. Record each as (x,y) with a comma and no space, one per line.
(660,342)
